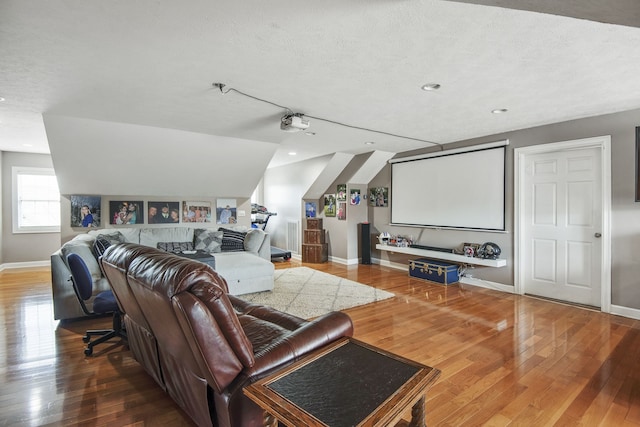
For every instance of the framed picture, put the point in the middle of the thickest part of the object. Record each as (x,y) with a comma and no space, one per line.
(638,164)
(329,205)
(85,211)
(341,193)
(126,212)
(355,196)
(310,209)
(196,211)
(163,212)
(226,211)
(470,249)
(379,197)
(342,211)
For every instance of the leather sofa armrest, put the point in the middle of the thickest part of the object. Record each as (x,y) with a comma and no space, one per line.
(313,335)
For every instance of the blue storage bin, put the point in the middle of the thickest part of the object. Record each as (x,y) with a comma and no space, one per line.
(434,270)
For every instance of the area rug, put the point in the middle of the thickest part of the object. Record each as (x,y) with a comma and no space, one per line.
(308,293)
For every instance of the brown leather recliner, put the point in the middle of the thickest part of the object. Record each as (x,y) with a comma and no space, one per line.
(210,344)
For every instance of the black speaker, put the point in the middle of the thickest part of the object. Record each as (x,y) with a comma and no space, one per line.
(365,242)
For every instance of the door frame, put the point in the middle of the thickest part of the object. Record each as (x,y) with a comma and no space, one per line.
(520,157)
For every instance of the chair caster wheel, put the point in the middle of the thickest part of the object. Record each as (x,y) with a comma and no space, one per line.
(86,338)
(88,351)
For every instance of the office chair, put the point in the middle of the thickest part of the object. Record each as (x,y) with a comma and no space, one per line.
(105,302)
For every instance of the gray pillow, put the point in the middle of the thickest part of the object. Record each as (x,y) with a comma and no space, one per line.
(207,240)
(175,247)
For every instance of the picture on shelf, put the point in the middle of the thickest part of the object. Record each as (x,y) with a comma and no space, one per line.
(310,209)
(341,193)
(379,197)
(329,205)
(226,211)
(85,211)
(126,212)
(196,211)
(470,249)
(163,212)
(355,196)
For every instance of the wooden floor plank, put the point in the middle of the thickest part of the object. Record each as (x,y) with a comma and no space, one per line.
(505,359)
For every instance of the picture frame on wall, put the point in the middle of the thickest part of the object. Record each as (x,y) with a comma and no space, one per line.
(226,211)
(163,212)
(379,197)
(341,193)
(342,211)
(637,163)
(196,211)
(330,205)
(85,211)
(355,196)
(123,212)
(310,209)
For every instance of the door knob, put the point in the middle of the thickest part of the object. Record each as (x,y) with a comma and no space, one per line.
(598,235)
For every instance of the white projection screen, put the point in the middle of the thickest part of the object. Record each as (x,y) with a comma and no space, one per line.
(460,190)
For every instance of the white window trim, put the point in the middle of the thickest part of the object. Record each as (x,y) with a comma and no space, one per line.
(15,170)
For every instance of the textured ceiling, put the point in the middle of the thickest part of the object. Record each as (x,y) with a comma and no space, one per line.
(356,62)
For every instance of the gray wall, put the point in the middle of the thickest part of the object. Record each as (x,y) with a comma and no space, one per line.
(625,215)
(23,247)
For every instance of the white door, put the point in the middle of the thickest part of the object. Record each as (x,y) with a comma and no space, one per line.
(562,225)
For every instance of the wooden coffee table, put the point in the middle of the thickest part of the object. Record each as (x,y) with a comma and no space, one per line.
(347,383)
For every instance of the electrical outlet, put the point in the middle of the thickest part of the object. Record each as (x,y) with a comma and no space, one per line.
(242,213)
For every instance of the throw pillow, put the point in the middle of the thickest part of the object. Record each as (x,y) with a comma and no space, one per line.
(103,241)
(175,247)
(207,240)
(232,241)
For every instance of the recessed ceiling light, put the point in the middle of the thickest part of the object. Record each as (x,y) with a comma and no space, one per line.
(292,153)
(27,145)
(369,143)
(430,86)
(310,133)
(499,110)
(1,99)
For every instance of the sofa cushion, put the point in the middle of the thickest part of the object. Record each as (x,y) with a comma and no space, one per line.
(175,247)
(207,240)
(128,235)
(151,236)
(253,240)
(232,240)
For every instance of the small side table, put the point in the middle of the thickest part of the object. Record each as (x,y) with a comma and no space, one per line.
(347,383)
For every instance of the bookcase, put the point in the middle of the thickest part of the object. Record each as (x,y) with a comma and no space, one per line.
(314,248)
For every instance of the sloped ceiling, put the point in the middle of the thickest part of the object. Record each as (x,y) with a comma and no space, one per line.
(94,157)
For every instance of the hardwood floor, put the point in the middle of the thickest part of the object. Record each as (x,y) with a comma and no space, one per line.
(505,359)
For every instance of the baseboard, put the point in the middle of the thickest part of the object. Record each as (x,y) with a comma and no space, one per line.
(487,284)
(344,261)
(30,264)
(632,313)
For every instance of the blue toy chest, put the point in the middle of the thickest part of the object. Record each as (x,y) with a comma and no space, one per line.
(434,270)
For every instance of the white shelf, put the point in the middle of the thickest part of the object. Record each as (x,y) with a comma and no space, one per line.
(444,255)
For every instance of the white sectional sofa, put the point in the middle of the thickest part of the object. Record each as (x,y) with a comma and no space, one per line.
(246,268)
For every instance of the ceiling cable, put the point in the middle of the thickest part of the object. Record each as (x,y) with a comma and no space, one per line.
(222,86)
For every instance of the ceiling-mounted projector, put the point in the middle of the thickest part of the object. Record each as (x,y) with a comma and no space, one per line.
(293,123)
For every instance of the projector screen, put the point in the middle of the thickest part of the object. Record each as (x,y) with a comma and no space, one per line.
(461,190)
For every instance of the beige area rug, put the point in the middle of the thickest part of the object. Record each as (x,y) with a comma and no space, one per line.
(308,293)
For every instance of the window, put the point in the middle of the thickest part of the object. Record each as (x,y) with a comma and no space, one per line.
(36,200)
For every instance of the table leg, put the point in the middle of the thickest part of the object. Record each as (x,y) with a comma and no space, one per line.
(417,414)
